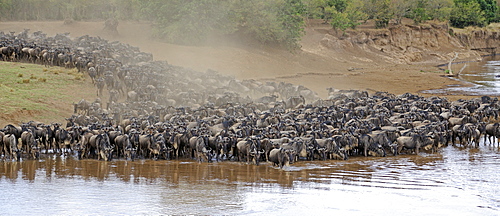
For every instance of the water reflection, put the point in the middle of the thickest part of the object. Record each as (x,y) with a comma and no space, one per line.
(453,181)
(484,77)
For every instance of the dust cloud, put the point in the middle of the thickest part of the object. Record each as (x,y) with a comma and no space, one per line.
(314,66)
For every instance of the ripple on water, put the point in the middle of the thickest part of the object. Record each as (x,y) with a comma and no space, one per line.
(453,181)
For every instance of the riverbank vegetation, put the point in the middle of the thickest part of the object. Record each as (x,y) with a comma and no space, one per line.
(266,21)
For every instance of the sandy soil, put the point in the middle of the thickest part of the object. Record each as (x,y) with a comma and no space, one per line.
(314,66)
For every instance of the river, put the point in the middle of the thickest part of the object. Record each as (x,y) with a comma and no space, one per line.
(454,181)
(483,77)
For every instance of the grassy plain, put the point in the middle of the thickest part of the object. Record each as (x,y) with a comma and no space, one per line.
(38,92)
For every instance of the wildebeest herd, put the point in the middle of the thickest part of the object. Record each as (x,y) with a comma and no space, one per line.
(159,111)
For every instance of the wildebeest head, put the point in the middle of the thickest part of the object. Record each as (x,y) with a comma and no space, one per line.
(427,142)
(377,152)
(130,153)
(104,146)
(322,152)
(106,153)
(18,154)
(257,156)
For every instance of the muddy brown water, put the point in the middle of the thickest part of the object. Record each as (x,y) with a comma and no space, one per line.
(454,181)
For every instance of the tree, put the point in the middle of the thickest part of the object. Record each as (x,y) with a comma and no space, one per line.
(382,13)
(402,9)
(193,21)
(349,18)
(419,13)
(324,9)
(439,9)
(291,18)
(467,13)
(189,21)
(490,9)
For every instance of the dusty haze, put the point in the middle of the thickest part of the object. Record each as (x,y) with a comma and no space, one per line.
(315,66)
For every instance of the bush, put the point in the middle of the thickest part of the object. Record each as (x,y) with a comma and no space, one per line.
(193,22)
(467,13)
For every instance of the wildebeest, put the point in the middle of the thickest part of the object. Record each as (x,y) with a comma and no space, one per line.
(2,147)
(12,147)
(280,157)
(82,107)
(381,138)
(102,146)
(294,101)
(15,130)
(122,142)
(29,144)
(209,103)
(328,148)
(248,149)
(492,130)
(7,53)
(145,143)
(414,142)
(368,145)
(92,74)
(158,147)
(62,140)
(199,148)
(100,85)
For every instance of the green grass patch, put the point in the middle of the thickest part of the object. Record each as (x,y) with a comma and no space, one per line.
(33,91)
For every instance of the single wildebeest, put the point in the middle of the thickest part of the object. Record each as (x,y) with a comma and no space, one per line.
(146,141)
(100,85)
(368,145)
(63,140)
(280,157)
(92,74)
(29,144)
(492,130)
(11,147)
(82,107)
(249,149)
(124,147)
(412,142)
(102,146)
